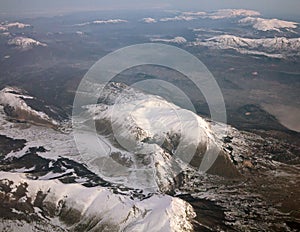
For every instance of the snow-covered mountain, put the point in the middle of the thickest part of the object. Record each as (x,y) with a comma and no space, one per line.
(25,43)
(272,47)
(46,185)
(74,207)
(148,141)
(109,21)
(114,205)
(268,24)
(18,25)
(219,14)
(15,102)
(149,20)
(215,15)
(232,13)
(177,39)
(178,18)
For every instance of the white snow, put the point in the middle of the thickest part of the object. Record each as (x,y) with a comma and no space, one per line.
(3,28)
(25,43)
(273,47)
(79,33)
(15,98)
(109,21)
(7,26)
(178,18)
(219,14)
(268,24)
(192,13)
(149,20)
(232,13)
(118,212)
(113,21)
(52,175)
(177,39)
(135,118)
(57,143)
(17,25)
(22,170)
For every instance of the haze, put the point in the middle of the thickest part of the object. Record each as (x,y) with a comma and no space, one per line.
(288,8)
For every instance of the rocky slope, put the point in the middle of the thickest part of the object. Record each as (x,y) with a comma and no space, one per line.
(46,184)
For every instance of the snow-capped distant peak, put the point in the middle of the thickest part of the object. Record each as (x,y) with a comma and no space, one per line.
(109,21)
(149,20)
(17,25)
(273,47)
(219,14)
(113,21)
(178,18)
(7,26)
(191,13)
(178,40)
(268,24)
(232,13)
(25,43)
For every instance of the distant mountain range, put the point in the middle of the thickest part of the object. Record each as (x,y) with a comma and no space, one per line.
(272,47)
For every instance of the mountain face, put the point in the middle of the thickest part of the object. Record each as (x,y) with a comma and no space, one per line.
(46,184)
(18,105)
(273,47)
(268,24)
(149,141)
(74,207)
(37,184)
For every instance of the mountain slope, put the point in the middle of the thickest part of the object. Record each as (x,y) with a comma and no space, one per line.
(76,208)
(17,104)
(146,141)
(273,47)
(268,24)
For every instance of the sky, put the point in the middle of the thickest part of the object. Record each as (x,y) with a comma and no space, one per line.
(270,7)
